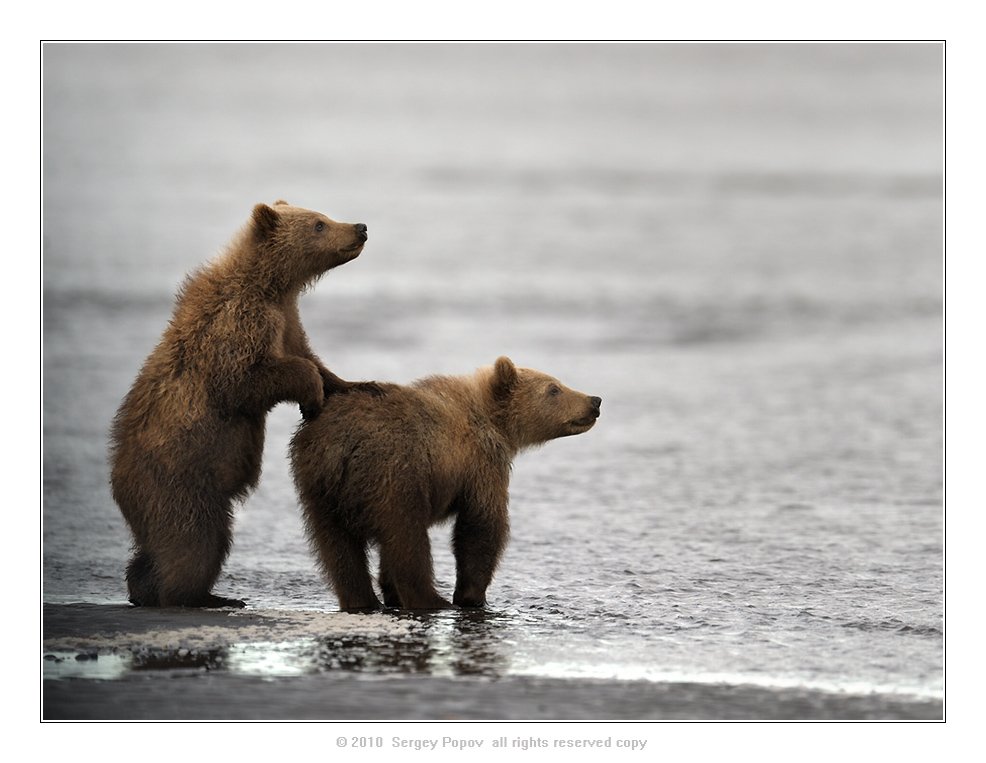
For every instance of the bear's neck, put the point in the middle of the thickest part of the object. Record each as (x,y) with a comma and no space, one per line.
(467,399)
(262,271)
(509,426)
(514,431)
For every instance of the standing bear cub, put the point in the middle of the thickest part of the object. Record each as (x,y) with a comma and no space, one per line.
(383,469)
(188,437)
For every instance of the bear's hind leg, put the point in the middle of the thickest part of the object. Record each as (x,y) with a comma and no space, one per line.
(408,565)
(391,599)
(342,557)
(142,587)
(189,562)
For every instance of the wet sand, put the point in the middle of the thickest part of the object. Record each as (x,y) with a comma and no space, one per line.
(161,676)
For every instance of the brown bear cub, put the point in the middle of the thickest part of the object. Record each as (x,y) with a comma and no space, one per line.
(188,437)
(383,469)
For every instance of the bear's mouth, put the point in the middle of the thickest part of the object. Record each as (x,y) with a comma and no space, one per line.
(585,423)
(354,250)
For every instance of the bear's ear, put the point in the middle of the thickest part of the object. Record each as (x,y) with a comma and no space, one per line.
(504,376)
(281,202)
(265,220)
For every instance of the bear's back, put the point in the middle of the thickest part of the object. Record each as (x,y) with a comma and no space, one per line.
(430,438)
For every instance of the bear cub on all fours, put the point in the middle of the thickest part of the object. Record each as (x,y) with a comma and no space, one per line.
(187,439)
(383,469)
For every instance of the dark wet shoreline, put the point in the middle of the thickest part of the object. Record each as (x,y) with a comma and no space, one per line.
(162,691)
(216,696)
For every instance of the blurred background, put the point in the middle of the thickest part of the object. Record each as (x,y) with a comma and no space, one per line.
(737,246)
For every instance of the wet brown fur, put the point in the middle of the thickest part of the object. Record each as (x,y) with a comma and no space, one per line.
(383,469)
(188,437)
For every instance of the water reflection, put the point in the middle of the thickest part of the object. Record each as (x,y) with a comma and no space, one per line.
(60,664)
(197,659)
(453,643)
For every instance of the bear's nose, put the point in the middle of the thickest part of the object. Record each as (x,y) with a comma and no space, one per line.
(596,402)
(360,231)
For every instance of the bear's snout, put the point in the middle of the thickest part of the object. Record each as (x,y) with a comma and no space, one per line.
(593,414)
(594,403)
(360,231)
(588,418)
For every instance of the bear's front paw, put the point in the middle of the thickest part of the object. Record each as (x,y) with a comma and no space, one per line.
(310,412)
(311,403)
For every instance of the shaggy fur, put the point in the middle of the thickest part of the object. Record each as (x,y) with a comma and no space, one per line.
(187,440)
(383,469)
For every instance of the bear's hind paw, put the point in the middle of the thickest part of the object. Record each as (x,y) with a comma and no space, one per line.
(214,602)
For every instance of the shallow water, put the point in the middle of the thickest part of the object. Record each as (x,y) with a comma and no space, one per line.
(737,247)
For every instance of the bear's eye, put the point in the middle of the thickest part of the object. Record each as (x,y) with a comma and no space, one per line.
(319,226)
(554,390)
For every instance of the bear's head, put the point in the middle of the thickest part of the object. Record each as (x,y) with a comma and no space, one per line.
(535,407)
(300,244)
